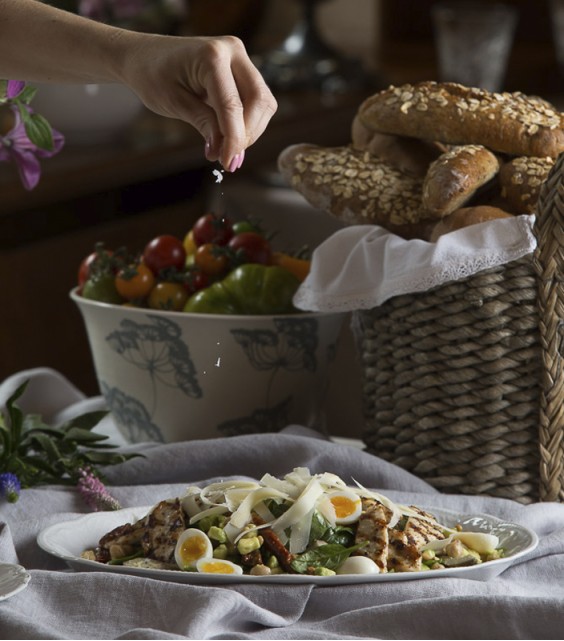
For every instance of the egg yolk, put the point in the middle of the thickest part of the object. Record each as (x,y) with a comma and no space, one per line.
(344,506)
(192,549)
(217,567)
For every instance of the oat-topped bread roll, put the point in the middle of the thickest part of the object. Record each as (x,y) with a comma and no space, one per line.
(466,216)
(352,185)
(511,123)
(521,180)
(409,155)
(456,176)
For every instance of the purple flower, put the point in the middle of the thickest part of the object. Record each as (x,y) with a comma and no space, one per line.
(94,492)
(10,487)
(17,147)
(105,11)
(14,88)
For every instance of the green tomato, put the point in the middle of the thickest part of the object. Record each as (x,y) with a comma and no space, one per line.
(249,289)
(244,225)
(212,300)
(103,289)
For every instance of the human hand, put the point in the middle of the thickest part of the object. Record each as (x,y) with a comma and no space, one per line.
(209,83)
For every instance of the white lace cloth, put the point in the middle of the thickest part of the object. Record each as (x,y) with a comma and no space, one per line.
(361,266)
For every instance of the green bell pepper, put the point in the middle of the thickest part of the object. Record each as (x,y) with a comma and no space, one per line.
(248,290)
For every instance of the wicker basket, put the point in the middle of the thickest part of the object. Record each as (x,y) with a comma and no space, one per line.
(463,385)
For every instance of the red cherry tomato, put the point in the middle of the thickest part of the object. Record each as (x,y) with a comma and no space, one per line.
(100,260)
(210,228)
(164,252)
(196,280)
(250,247)
(84,268)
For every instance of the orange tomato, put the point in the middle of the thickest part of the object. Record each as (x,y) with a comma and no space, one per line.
(211,259)
(135,282)
(297,266)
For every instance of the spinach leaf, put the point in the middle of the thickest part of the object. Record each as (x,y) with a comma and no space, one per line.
(330,556)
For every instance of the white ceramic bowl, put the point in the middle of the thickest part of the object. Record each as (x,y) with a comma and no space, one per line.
(170,376)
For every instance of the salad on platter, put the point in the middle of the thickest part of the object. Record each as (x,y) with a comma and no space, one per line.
(303,523)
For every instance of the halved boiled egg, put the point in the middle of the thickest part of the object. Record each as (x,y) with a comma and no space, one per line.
(192,545)
(218,566)
(347,506)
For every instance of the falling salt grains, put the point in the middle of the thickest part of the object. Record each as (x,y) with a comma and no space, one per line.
(218,175)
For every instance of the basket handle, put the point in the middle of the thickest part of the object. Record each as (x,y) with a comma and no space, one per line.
(548,260)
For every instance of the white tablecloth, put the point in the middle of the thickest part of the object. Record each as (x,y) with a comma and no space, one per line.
(524,602)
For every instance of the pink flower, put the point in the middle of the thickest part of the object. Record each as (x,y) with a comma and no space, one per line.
(94,492)
(17,147)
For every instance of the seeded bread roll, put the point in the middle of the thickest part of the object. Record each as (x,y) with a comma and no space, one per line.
(466,216)
(352,185)
(456,176)
(410,155)
(521,180)
(511,123)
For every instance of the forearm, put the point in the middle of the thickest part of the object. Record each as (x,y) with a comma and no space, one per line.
(39,43)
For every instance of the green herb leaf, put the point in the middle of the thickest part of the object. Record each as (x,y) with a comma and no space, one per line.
(82,435)
(37,128)
(27,94)
(38,454)
(329,556)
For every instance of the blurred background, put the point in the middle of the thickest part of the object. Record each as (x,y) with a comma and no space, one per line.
(133,175)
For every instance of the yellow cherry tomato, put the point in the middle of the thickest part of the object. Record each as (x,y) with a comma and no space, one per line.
(189,243)
(169,296)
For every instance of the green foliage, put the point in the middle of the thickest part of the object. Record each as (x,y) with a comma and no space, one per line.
(329,556)
(39,454)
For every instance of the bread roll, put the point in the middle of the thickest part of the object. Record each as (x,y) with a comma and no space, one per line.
(409,155)
(510,123)
(455,177)
(352,185)
(521,180)
(466,216)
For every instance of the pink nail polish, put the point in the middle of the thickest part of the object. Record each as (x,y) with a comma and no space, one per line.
(242,157)
(234,165)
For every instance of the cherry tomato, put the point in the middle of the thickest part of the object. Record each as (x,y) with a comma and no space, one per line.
(210,259)
(169,296)
(196,279)
(135,282)
(101,258)
(189,243)
(102,288)
(244,225)
(164,252)
(84,268)
(210,228)
(250,247)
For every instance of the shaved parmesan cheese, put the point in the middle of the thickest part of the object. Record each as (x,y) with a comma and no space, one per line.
(242,514)
(299,534)
(211,511)
(302,506)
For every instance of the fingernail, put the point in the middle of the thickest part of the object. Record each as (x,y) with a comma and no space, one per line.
(242,157)
(235,163)
(207,148)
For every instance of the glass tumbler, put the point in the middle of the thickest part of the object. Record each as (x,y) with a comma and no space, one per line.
(473,41)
